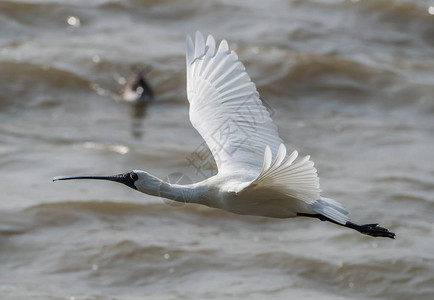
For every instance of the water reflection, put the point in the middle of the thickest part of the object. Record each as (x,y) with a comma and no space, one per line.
(138,113)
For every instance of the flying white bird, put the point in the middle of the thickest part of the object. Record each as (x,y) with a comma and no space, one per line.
(255,174)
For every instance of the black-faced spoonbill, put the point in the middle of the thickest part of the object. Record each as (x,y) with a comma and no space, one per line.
(255,174)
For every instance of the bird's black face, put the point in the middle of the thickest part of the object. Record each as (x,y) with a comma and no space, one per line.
(129,179)
(126,178)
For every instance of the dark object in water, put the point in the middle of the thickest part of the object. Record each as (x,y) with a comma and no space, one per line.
(137,89)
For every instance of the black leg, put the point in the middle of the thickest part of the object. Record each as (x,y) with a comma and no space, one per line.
(368,229)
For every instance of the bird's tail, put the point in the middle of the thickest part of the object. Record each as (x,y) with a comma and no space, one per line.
(331,209)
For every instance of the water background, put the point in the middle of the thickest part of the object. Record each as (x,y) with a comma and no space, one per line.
(349,82)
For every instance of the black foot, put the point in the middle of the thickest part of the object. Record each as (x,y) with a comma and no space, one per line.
(372,230)
(368,229)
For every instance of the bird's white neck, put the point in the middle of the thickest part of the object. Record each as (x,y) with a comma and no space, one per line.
(154,186)
(176,192)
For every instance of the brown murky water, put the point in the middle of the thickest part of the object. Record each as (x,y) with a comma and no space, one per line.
(349,82)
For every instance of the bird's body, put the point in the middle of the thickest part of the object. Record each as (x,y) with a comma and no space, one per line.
(230,193)
(255,174)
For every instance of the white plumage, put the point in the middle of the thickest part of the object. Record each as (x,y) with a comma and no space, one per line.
(225,107)
(226,110)
(255,174)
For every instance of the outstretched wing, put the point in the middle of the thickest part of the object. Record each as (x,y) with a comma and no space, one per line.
(225,107)
(286,177)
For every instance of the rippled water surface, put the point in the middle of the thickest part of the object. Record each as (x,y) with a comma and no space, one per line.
(349,82)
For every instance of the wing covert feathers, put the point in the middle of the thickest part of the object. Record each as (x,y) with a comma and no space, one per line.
(298,180)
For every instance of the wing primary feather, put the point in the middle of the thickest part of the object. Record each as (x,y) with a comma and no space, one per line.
(281,154)
(189,53)
(267,158)
(225,74)
(290,158)
(223,47)
(231,81)
(210,42)
(213,75)
(277,160)
(200,44)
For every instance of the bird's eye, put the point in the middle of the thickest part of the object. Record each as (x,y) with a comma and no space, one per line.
(133,176)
